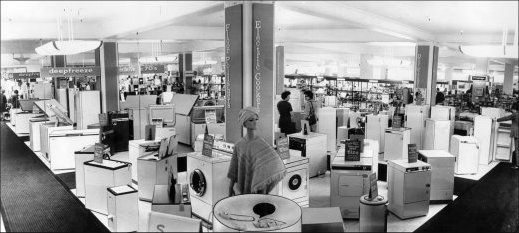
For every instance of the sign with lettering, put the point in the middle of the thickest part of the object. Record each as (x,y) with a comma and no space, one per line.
(421,66)
(263,67)
(210,116)
(412,153)
(283,149)
(397,121)
(207,147)
(373,187)
(478,78)
(98,152)
(233,70)
(352,150)
(152,69)
(127,70)
(28,75)
(70,71)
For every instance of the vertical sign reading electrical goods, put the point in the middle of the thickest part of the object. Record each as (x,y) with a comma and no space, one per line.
(263,67)
(233,70)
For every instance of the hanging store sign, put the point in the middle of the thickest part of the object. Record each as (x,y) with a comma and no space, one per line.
(233,70)
(479,78)
(28,75)
(70,71)
(152,69)
(127,70)
(263,67)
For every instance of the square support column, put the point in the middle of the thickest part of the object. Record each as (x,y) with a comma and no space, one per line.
(425,71)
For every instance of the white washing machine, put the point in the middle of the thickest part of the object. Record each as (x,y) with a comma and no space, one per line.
(295,185)
(376,126)
(442,173)
(208,180)
(349,181)
(415,119)
(396,143)
(408,188)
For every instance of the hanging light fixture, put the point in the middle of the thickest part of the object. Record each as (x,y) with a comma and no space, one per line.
(70,46)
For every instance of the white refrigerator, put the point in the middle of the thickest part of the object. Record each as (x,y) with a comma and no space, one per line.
(447,113)
(87,107)
(485,132)
(466,150)
(437,134)
(327,125)
(376,126)
(415,120)
(396,141)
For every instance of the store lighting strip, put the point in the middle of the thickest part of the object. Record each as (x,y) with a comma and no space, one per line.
(69,47)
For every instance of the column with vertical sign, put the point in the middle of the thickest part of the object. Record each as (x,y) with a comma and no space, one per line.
(425,72)
(233,71)
(263,68)
(280,69)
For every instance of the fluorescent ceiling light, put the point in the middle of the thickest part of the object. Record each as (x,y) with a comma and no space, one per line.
(67,47)
(491,51)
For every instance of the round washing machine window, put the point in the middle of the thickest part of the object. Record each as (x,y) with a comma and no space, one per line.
(197,182)
(294,182)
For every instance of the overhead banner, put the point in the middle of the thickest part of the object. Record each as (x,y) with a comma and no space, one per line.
(233,71)
(28,75)
(70,71)
(127,70)
(263,67)
(152,69)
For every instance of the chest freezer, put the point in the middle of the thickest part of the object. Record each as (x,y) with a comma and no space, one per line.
(327,125)
(485,129)
(408,188)
(22,122)
(154,171)
(183,107)
(45,131)
(437,134)
(376,126)
(349,181)
(396,141)
(99,177)
(213,128)
(311,146)
(63,144)
(34,132)
(466,151)
(123,209)
(442,173)
(136,149)
(415,120)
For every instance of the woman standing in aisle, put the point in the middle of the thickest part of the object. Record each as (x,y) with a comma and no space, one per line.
(514,135)
(285,123)
(311,110)
(255,166)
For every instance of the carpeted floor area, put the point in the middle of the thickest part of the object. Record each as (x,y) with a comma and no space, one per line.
(32,198)
(490,205)
(461,185)
(68,178)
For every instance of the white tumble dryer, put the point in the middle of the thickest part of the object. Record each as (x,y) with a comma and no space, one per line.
(208,182)
(295,184)
(349,181)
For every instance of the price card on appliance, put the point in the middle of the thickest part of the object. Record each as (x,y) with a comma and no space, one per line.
(283,150)
(98,152)
(373,187)
(210,116)
(412,153)
(352,150)
(207,148)
(397,121)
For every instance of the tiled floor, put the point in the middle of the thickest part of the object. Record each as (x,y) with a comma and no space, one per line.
(319,197)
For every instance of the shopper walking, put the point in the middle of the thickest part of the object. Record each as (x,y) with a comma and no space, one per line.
(515,133)
(440,97)
(311,111)
(14,100)
(255,166)
(285,123)
(3,105)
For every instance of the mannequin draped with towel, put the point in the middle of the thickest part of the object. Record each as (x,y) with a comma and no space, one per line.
(255,166)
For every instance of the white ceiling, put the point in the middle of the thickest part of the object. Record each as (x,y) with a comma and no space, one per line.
(312,30)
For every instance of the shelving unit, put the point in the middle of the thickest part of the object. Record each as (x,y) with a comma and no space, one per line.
(210,86)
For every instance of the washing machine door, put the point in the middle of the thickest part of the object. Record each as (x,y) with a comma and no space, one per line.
(197,182)
(295,184)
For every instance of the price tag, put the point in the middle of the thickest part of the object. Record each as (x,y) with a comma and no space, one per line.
(358,137)
(210,116)
(207,148)
(397,121)
(373,187)
(352,150)
(412,153)
(98,152)
(283,150)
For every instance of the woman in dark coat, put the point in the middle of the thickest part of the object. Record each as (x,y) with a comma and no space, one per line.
(285,114)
